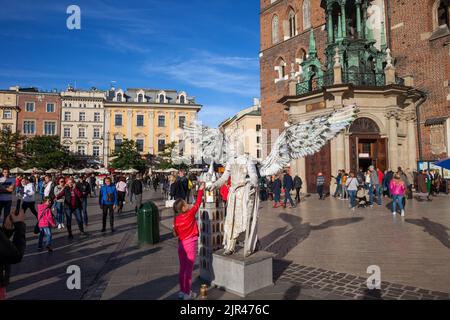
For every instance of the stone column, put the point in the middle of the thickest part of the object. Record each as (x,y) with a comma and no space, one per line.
(412,148)
(106,137)
(392,116)
(151,132)
(129,124)
(171,125)
(340,151)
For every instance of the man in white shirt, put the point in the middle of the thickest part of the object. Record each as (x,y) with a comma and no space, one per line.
(29,196)
(49,186)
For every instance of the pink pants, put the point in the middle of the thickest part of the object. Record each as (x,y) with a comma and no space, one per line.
(187,250)
(2,293)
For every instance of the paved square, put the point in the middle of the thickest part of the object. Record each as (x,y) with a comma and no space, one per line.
(322,252)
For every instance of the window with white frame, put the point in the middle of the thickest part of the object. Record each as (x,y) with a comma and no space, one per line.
(140,120)
(161,98)
(281,70)
(119,97)
(82,116)
(181,121)
(140,145)
(161,144)
(67,133)
(161,121)
(67,116)
(140,98)
(275,28)
(97,116)
(306,14)
(182,99)
(81,150)
(96,151)
(29,107)
(81,132)
(118,120)
(49,128)
(50,107)
(7,114)
(29,127)
(96,133)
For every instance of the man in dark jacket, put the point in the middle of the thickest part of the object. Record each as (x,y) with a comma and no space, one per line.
(11,252)
(72,205)
(297,185)
(182,186)
(137,187)
(288,185)
(85,189)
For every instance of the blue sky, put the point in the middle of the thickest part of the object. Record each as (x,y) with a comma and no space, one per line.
(209,48)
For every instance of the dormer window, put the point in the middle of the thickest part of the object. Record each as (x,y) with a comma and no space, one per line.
(182,99)
(161,98)
(119,97)
(140,98)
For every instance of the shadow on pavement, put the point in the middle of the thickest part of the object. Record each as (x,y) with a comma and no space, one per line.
(282,240)
(436,230)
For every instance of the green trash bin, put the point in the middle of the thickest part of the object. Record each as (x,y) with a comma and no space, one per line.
(148,223)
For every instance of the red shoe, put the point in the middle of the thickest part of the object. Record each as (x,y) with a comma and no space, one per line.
(275,205)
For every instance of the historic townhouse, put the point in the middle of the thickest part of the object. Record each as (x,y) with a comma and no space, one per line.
(9,110)
(149,117)
(82,123)
(390,58)
(248,121)
(40,112)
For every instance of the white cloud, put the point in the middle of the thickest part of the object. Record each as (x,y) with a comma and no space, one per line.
(229,74)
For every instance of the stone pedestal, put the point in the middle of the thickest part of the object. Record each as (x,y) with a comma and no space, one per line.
(242,276)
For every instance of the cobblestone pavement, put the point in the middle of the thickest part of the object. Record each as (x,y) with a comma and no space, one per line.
(322,251)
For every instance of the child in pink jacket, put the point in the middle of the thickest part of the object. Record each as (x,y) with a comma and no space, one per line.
(45,222)
(397,188)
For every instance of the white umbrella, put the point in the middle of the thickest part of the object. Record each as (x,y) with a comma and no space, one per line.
(171,170)
(32,170)
(69,171)
(196,170)
(17,170)
(102,171)
(50,171)
(130,171)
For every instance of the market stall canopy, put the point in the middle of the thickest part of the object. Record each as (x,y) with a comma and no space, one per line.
(17,170)
(69,171)
(86,170)
(102,171)
(196,170)
(51,171)
(130,171)
(171,170)
(444,164)
(33,170)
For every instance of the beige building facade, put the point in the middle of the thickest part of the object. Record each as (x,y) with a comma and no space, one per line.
(9,110)
(247,121)
(82,123)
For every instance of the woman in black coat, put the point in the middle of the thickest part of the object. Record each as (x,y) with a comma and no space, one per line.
(11,252)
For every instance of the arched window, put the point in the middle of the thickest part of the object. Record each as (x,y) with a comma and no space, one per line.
(292,24)
(275,38)
(119,97)
(161,98)
(182,100)
(443,13)
(280,67)
(140,98)
(306,14)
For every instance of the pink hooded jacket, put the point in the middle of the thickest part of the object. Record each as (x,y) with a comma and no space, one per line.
(45,216)
(397,188)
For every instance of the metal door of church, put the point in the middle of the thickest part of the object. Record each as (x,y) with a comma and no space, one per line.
(319,162)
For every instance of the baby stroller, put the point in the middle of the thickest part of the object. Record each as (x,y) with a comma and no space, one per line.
(362,197)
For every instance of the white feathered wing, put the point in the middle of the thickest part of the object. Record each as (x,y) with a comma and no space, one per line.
(306,138)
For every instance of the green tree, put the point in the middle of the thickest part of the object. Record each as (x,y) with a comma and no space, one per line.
(10,148)
(127,157)
(46,152)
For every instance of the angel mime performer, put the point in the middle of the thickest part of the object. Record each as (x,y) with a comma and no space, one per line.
(296,141)
(243,200)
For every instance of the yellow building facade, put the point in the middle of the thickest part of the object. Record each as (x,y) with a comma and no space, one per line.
(152,118)
(248,121)
(9,110)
